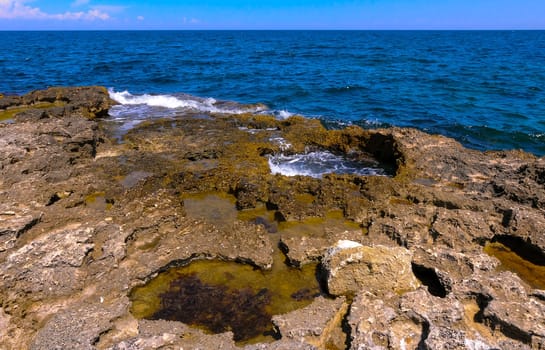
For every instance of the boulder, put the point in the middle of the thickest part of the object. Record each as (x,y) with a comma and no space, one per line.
(350,267)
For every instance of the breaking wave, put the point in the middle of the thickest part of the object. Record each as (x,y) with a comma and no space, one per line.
(184,102)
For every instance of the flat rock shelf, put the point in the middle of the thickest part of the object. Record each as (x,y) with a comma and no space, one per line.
(107,236)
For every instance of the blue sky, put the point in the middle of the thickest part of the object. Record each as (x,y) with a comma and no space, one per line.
(271,14)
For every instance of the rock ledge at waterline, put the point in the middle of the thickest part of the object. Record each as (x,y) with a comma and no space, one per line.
(84,219)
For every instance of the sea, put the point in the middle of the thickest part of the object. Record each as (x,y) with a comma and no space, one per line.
(486,89)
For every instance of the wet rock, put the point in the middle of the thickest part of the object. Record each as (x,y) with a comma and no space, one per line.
(8,101)
(350,267)
(315,324)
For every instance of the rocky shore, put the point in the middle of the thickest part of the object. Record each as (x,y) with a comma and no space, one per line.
(404,261)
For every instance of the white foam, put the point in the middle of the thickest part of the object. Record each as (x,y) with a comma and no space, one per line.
(185,102)
(284,145)
(317,164)
(166,101)
(283,114)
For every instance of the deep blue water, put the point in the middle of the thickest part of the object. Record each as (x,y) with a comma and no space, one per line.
(484,88)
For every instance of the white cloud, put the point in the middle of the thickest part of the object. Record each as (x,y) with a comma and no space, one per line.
(18,9)
(191,20)
(89,15)
(109,8)
(140,18)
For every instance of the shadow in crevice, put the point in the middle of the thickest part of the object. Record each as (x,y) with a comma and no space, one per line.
(346,328)
(523,248)
(510,330)
(430,279)
(425,334)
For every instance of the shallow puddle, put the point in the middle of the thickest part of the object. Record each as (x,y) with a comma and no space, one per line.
(220,296)
(215,208)
(529,272)
(133,178)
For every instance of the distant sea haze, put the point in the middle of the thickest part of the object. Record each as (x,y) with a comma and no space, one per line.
(484,88)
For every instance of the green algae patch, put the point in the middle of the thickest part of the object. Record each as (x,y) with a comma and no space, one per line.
(219,296)
(531,273)
(98,200)
(316,226)
(10,113)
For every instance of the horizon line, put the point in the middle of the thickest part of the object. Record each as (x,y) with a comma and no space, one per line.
(272,29)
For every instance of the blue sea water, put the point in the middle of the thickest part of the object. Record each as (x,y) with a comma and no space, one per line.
(484,88)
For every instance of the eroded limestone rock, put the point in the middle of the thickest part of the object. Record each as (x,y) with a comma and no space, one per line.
(88,214)
(351,267)
(378,324)
(318,324)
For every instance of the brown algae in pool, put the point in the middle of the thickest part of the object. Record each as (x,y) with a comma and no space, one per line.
(220,296)
(529,272)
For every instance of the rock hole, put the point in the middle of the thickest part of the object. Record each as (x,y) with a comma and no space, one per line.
(321,162)
(54,199)
(384,149)
(430,279)
(482,302)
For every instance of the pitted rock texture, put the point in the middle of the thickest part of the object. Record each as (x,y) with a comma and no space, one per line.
(86,216)
(350,267)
